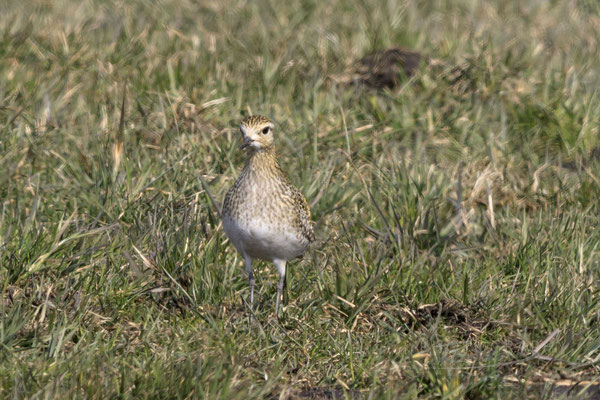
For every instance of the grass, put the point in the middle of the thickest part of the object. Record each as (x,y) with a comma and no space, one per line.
(458,251)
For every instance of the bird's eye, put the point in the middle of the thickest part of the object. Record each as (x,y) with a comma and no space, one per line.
(265,130)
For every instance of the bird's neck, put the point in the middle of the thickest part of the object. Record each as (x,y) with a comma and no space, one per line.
(263,160)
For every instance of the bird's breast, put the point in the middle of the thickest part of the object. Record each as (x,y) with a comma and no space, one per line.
(263,239)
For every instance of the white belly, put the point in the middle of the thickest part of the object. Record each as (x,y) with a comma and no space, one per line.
(262,240)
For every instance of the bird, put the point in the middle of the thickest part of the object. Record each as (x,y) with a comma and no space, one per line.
(263,214)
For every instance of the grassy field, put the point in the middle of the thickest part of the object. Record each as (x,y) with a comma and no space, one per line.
(457,218)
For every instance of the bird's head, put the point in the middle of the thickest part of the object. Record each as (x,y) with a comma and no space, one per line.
(257,133)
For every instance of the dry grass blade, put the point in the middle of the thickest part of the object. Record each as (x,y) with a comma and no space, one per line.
(117,150)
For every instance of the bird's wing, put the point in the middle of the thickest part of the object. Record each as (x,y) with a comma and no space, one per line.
(303,214)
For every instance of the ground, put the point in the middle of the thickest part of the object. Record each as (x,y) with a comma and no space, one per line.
(456,214)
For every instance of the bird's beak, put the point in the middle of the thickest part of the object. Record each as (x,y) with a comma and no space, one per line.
(246,144)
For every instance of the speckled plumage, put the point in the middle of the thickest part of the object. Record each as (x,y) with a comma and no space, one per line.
(264,215)
(255,121)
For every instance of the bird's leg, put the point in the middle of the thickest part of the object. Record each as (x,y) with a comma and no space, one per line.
(280,264)
(285,298)
(279,290)
(250,279)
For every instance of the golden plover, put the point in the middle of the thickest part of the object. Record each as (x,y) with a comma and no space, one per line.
(264,215)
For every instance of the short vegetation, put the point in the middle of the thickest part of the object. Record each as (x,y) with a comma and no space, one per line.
(456,215)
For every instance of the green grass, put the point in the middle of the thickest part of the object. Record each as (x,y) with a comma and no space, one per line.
(458,251)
